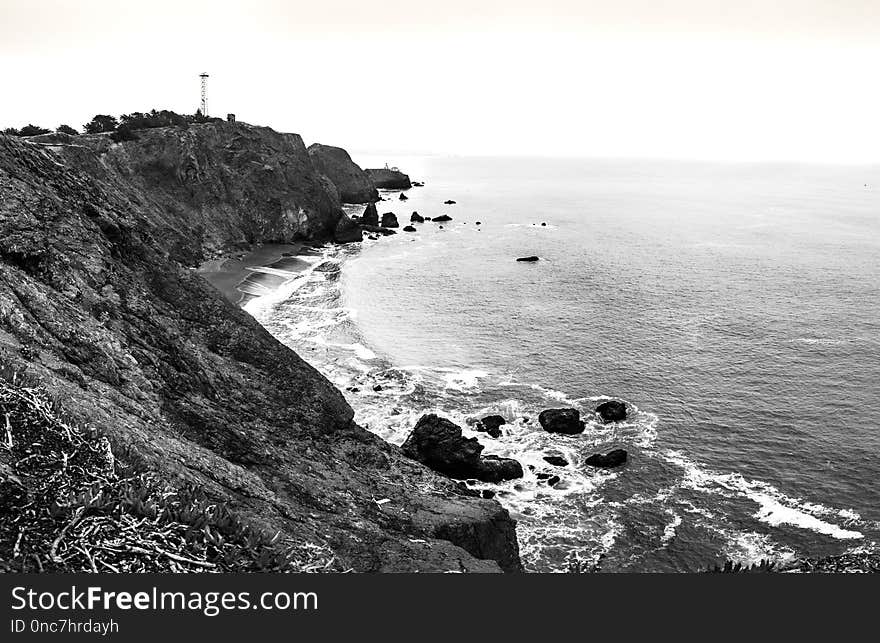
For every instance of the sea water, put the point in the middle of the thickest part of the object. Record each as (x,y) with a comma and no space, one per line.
(734,307)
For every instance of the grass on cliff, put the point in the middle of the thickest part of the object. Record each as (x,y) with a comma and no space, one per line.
(67,505)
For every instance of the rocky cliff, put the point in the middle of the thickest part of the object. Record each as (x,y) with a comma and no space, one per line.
(98,305)
(351,182)
(389,179)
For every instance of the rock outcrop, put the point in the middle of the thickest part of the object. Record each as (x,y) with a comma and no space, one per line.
(389,220)
(611,411)
(438,443)
(491,424)
(608,460)
(370,215)
(389,179)
(350,181)
(443,218)
(415,217)
(561,421)
(99,306)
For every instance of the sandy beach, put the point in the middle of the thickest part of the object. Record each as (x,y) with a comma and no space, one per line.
(247,275)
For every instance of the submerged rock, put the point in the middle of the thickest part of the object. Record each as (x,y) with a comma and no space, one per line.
(607,461)
(556,460)
(530,259)
(389,220)
(409,228)
(378,230)
(611,411)
(439,444)
(566,421)
(491,424)
(443,217)
(449,202)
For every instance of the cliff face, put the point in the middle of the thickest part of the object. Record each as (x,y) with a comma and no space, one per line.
(351,182)
(389,179)
(96,304)
(216,185)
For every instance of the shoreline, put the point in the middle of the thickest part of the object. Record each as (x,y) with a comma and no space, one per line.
(260,271)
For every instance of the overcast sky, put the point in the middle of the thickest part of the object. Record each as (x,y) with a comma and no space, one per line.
(738,79)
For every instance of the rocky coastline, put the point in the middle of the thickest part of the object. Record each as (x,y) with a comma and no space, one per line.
(100,308)
(123,266)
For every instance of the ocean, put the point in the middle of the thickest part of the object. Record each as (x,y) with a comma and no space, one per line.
(734,307)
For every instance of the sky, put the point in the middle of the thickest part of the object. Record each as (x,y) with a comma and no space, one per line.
(690,79)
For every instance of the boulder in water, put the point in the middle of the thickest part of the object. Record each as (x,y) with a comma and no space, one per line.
(403,197)
(389,220)
(415,217)
(370,215)
(439,444)
(611,411)
(491,424)
(409,228)
(608,460)
(556,460)
(443,217)
(529,259)
(347,231)
(449,202)
(495,469)
(566,421)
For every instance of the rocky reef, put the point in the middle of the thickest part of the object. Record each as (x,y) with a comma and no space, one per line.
(350,181)
(100,308)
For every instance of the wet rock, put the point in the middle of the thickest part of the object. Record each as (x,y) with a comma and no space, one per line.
(377,387)
(553,481)
(415,217)
(403,197)
(479,223)
(491,424)
(389,220)
(488,494)
(418,184)
(611,411)
(449,202)
(496,469)
(608,460)
(439,444)
(347,231)
(556,460)
(378,230)
(566,421)
(543,224)
(443,218)
(370,215)
(409,228)
(530,259)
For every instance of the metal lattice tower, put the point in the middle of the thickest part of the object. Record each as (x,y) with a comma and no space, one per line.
(204,108)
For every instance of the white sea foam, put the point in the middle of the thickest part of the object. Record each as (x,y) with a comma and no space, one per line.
(774,507)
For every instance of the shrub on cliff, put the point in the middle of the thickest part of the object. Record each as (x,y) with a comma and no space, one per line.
(123,133)
(69,505)
(32,130)
(67,129)
(101,123)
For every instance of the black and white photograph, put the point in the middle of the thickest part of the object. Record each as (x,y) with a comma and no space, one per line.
(473,287)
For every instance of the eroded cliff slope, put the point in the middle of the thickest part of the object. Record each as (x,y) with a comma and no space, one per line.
(98,305)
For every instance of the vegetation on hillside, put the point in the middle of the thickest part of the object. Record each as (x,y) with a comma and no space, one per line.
(69,505)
